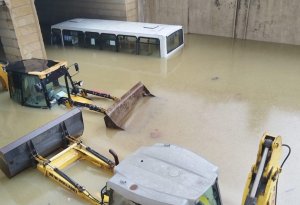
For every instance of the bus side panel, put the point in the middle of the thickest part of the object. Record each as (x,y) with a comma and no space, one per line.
(163,46)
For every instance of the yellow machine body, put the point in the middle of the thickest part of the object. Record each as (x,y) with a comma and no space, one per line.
(47,83)
(145,169)
(270,168)
(3,76)
(43,74)
(76,151)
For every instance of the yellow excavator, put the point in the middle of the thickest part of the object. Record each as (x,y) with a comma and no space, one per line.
(162,174)
(3,75)
(44,83)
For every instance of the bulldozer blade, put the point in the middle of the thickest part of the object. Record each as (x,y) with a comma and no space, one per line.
(116,114)
(19,155)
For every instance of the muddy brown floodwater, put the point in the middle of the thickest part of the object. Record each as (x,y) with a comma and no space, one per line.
(217,97)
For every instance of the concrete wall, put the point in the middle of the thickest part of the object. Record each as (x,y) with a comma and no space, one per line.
(55,11)
(263,20)
(19,30)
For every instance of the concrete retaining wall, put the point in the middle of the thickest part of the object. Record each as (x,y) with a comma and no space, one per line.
(263,20)
(55,11)
(19,30)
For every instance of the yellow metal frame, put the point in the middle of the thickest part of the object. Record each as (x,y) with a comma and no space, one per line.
(271,171)
(76,151)
(43,74)
(3,77)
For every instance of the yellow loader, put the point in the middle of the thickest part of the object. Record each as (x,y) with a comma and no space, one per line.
(44,83)
(3,75)
(162,174)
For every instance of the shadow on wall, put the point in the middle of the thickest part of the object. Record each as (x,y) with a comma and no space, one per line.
(2,54)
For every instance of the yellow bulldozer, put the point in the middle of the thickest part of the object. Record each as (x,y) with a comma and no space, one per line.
(44,83)
(162,174)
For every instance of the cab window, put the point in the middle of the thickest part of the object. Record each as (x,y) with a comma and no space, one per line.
(211,196)
(33,92)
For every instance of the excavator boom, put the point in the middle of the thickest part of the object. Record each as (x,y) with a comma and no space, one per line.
(261,187)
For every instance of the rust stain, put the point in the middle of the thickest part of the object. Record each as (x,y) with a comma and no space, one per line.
(218,4)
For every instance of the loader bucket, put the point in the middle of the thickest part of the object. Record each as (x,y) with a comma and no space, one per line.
(117,114)
(18,155)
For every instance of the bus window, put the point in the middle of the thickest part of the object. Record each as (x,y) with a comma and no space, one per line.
(92,39)
(127,44)
(73,38)
(149,46)
(56,36)
(174,40)
(108,42)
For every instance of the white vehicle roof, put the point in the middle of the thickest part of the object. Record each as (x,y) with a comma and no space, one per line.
(117,27)
(163,174)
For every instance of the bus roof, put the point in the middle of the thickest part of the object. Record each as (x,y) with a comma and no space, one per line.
(117,27)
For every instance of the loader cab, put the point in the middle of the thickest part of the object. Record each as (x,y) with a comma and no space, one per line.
(37,82)
(163,174)
(210,197)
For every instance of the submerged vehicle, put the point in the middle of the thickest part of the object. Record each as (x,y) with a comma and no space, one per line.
(45,83)
(120,36)
(161,174)
(3,75)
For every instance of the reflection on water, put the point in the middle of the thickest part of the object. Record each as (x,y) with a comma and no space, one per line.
(216,97)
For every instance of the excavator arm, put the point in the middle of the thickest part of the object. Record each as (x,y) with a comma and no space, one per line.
(261,184)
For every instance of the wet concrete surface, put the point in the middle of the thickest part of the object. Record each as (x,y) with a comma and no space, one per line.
(217,97)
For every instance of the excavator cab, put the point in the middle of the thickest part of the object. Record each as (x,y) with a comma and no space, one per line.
(44,83)
(163,174)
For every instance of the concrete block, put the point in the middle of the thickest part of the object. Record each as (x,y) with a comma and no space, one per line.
(22,11)
(28,29)
(6,24)
(8,33)
(24,20)
(17,3)
(31,47)
(9,42)
(28,39)
(12,51)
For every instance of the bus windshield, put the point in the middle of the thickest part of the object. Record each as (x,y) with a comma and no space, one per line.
(174,40)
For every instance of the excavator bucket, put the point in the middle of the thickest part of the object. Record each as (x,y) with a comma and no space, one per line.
(117,114)
(47,139)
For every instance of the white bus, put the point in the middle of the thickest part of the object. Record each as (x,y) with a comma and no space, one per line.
(120,36)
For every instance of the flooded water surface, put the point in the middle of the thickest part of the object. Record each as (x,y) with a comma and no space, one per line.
(216,97)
